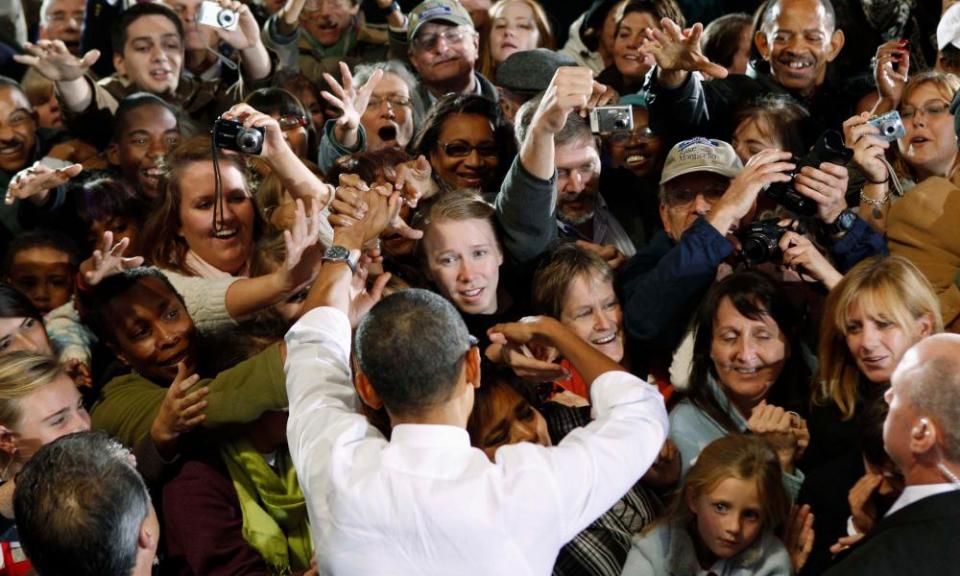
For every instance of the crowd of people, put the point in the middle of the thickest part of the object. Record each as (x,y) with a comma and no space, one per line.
(639,287)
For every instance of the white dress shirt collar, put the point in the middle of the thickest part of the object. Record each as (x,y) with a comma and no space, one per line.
(430,436)
(912,494)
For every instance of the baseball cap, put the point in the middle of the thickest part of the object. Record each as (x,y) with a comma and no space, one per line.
(450,11)
(701,155)
(948,31)
(529,72)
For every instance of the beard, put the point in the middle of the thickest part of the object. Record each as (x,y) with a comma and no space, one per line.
(579,216)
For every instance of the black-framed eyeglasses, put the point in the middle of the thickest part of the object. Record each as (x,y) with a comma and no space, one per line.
(452,36)
(621,138)
(462,149)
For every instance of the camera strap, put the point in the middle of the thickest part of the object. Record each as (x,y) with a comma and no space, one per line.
(218,221)
(892,177)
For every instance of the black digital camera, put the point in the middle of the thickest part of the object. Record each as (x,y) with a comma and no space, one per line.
(829,148)
(760,241)
(230,135)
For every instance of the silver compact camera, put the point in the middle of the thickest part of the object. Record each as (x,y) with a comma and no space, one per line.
(606,119)
(215,15)
(890,126)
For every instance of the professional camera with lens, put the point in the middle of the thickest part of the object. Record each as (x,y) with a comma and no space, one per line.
(829,148)
(760,241)
(890,126)
(230,135)
(606,119)
(215,15)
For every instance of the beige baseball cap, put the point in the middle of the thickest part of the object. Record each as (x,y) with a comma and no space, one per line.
(701,155)
(449,11)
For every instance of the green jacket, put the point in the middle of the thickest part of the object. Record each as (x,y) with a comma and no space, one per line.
(128,404)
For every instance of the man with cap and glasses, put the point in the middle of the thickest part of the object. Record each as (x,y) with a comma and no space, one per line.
(426,502)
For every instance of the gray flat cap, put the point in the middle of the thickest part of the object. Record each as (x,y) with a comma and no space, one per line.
(529,72)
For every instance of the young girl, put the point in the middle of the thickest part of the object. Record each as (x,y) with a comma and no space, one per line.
(722,521)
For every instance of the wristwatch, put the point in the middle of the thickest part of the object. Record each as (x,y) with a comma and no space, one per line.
(842,224)
(340,254)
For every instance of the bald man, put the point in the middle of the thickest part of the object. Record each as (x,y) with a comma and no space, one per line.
(919,535)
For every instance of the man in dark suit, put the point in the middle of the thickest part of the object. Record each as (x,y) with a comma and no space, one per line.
(918,535)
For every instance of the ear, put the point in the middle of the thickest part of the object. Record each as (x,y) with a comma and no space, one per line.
(925,324)
(924,437)
(367,394)
(691,501)
(836,43)
(119,65)
(472,366)
(8,441)
(760,41)
(148,539)
(664,218)
(113,154)
(354,9)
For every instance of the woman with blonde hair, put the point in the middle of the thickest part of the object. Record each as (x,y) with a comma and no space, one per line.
(514,26)
(881,308)
(919,223)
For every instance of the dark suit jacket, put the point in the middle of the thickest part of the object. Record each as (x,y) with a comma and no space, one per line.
(921,539)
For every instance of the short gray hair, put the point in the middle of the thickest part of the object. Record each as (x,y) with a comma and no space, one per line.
(363,72)
(934,389)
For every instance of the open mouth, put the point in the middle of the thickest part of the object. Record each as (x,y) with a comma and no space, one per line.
(226,233)
(919,140)
(177,358)
(471,295)
(634,160)
(604,340)
(387,133)
(11,149)
(797,65)
(160,75)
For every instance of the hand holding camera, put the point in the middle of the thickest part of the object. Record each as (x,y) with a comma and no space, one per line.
(233,22)
(763,169)
(868,147)
(811,190)
(571,89)
(249,131)
(799,254)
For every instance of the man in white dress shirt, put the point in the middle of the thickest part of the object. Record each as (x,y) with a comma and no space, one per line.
(918,536)
(426,502)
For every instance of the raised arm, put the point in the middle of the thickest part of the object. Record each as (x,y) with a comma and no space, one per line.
(54,62)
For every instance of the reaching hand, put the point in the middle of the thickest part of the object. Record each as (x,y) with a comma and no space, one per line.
(862,508)
(36,182)
(798,536)
(289,16)
(302,254)
(571,90)
(530,331)
(676,49)
(349,99)
(892,69)
(80,373)
(247,32)
(361,298)
(608,252)
(181,410)
(108,260)
(533,361)
(413,180)
(665,471)
(777,426)
(54,62)
(763,168)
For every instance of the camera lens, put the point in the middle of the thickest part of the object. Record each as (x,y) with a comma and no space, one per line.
(226,18)
(889,129)
(620,121)
(249,141)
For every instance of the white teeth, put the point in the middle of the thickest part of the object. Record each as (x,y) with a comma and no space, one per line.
(746,370)
(11,150)
(471,293)
(798,65)
(228,233)
(606,340)
(636,158)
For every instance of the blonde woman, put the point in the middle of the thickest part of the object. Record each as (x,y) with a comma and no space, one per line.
(880,309)
(514,26)
(920,225)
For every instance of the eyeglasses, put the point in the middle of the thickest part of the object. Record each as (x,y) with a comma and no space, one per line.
(932,109)
(314,6)
(461,149)
(394,101)
(292,122)
(453,36)
(621,138)
(681,196)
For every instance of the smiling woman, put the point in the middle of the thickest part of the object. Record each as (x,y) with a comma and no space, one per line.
(181,234)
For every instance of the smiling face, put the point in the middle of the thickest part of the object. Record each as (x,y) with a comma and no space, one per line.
(388,119)
(477,167)
(592,311)
(578,180)
(23,334)
(149,133)
(196,37)
(47,413)
(153,332)
(18,130)
(632,62)
(444,54)
(640,150)
(748,355)
(689,197)
(799,42)
(326,20)
(729,517)
(463,259)
(514,29)
(152,55)
(877,342)
(930,142)
(227,249)
(45,275)
(511,420)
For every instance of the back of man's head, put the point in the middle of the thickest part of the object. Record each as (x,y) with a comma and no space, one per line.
(411,347)
(933,387)
(80,505)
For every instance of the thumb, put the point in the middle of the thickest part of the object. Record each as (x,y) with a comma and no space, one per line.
(408,232)
(90,58)
(710,69)
(71,171)
(376,291)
